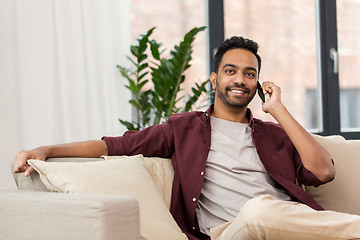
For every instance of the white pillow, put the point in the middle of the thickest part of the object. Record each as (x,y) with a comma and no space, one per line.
(125,176)
(161,172)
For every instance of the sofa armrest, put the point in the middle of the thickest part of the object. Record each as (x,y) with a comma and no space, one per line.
(45,215)
(33,182)
(341,194)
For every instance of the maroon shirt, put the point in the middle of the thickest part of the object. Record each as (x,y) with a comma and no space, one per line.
(185,138)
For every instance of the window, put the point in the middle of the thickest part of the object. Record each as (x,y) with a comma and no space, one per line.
(349,105)
(311,51)
(348,25)
(287,38)
(350,109)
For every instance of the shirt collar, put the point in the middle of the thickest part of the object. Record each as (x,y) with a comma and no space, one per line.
(250,117)
(211,108)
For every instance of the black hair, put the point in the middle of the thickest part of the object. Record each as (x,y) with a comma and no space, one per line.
(234,43)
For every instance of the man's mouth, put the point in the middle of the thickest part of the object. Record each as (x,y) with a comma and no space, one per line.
(238,90)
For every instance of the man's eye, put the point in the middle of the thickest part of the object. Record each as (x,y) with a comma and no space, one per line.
(229,71)
(251,75)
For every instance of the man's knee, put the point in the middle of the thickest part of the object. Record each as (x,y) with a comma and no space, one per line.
(248,224)
(259,210)
(255,219)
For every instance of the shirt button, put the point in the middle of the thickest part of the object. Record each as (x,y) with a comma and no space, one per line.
(194,199)
(193,228)
(202,173)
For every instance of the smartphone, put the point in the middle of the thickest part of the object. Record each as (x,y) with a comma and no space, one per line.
(260,91)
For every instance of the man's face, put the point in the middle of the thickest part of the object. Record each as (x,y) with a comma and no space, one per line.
(236,80)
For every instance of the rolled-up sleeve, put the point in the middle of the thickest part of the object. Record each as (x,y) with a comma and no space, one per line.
(152,141)
(303,175)
(115,145)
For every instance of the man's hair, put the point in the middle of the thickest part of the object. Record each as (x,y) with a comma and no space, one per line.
(234,43)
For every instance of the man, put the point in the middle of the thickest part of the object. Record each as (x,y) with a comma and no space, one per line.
(235,176)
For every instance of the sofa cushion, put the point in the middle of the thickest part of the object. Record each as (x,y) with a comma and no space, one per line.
(125,176)
(161,172)
(341,194)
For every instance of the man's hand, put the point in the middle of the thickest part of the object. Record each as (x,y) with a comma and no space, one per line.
(86,149)
(274,101)
(20,163)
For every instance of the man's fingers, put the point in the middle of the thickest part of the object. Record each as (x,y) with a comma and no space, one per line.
(19,166)
(18,169)
(28,171)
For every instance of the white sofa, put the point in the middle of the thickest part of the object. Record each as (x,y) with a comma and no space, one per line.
(129,197)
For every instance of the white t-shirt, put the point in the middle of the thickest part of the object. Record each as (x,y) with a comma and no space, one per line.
(234,174)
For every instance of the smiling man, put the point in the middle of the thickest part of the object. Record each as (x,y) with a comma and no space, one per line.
(236,93)
(235,176)
(235,82)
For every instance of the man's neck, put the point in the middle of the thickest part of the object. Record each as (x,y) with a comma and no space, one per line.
(230,113)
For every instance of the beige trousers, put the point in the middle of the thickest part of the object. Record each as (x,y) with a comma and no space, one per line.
(267,218)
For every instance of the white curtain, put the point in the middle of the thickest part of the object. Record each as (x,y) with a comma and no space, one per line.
(58,76)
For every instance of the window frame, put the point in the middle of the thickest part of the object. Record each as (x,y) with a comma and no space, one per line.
(216,31)
(329,90)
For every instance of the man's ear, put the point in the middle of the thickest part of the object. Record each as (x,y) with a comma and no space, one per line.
(213,77)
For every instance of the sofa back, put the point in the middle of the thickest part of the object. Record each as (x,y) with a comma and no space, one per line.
(341,194)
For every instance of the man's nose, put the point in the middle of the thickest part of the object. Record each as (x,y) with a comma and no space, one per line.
(239,78)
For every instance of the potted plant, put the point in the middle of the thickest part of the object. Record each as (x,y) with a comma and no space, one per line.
(157,104)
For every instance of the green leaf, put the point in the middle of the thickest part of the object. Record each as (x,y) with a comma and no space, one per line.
(129,58)
(142,57)
(130,126)
(142,76)
(134,50)
(154,46)
(142,84)
(197,92)
(132,86)
(125,73)
(142,67)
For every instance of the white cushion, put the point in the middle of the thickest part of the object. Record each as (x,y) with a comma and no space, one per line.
(124,176)
(161,172)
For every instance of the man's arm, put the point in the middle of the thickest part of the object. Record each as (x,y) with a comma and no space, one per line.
(313,156)
(93,148)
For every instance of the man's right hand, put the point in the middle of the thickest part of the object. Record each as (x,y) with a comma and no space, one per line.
(86,149)
(20,163)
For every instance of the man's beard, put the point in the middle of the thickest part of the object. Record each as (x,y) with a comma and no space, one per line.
(224,96)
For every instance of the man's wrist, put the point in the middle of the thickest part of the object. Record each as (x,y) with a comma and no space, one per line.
(46,151)
(278,111)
